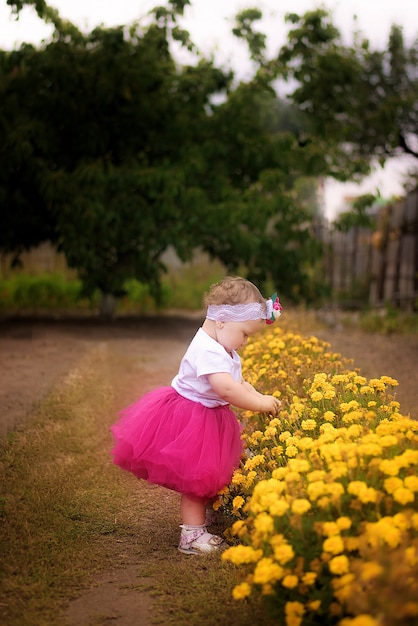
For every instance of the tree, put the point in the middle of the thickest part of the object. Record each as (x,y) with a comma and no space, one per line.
(361,103)
(127,153)
(108,126)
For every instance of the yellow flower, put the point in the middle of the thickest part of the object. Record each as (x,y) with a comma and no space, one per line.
(369,449)
(279,472)
(330,529)
(360,380)
(352,416)
(338,469)
(392,484)
(290,581)
(298,465)
(389,467)
(270,432)
(349,406)
(402,521)
(294,612)
(411,556)
(411,482)
(383,531)
(339,565)
(255,437)
(328,428)
(355,487)
(238,478)
(339,378)
(370,570)
(360,620)
(352,543)
(237,526)
(344,523)
(329,416)
(316,489)
(309,578)
(264,524)
(279,508)
(323,502)
(316,396)
(267,571)
(305,443)
(237,502)
(255,461)
(316,475)
(241,591)
(377,384)
(291,451)
(308,424)
(267,589)
(403,496)
(333,544)
(292,477)
(241,554)
(300,506)
(298,408)
(251,476)
(368,495)
(388,440)
(335,490)
(283,552)
(329,392)
(387,380)
(314,605)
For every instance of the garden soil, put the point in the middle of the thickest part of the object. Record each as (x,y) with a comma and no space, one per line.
(36,354)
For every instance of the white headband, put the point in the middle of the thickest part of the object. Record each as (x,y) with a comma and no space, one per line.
(240,312)
(246,312)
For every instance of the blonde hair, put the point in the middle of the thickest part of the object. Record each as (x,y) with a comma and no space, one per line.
(233,290)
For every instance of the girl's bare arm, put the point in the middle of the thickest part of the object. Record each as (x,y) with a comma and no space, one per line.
(241,396)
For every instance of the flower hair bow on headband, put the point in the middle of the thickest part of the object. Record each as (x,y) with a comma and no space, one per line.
(274,309)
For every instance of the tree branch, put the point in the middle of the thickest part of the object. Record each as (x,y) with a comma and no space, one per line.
(405,147)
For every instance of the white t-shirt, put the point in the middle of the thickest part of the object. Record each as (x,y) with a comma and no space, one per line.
(205,356)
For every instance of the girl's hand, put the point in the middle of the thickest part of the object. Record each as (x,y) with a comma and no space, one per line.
(271,405)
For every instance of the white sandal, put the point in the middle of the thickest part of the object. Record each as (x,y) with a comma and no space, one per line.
(199,541)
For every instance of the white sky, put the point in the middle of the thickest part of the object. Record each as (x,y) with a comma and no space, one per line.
(210,22)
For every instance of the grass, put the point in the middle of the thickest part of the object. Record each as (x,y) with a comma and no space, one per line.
(389,321)
(68,515)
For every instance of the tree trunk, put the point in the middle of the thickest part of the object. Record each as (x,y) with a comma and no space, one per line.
(107,306)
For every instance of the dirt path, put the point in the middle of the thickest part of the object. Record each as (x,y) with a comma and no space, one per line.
(35,355)
(377,355)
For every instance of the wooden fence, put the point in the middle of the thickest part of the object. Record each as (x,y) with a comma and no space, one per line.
(377,266)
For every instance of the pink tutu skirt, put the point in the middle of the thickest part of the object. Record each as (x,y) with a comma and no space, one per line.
(179,444)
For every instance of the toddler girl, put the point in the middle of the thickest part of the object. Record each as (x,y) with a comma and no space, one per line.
(184,436)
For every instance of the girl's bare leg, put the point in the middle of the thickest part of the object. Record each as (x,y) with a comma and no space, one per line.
(193,510)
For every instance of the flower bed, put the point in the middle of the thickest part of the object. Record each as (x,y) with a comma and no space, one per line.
(325,498)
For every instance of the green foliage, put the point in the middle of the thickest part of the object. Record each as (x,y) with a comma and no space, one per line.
(182,288)
(114,153)
(361,104)
(244,30)
(357,217)
(46,291)
(389,321)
